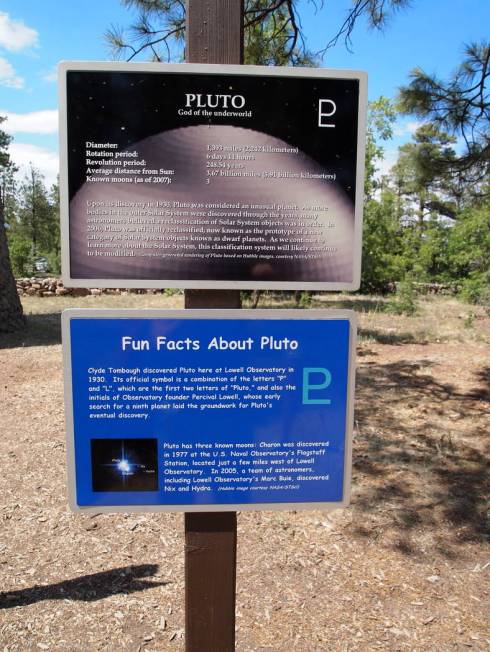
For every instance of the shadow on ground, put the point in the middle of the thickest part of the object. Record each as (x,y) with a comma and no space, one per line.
(482,391)
(41,330)
(87,588)
(416,475)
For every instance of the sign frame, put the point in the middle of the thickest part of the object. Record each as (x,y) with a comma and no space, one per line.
(238,314)
(211,69)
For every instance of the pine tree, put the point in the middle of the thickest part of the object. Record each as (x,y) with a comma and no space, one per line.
(459,106)
(421,187)
(37,220)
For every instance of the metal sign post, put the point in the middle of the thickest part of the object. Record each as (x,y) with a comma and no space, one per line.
(214,34)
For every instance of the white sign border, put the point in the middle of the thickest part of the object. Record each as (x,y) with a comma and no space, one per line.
(80,313)
(213,69)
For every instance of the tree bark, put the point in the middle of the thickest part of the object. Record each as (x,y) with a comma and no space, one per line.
(11,314)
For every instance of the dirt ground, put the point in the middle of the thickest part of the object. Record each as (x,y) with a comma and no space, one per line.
(406,567)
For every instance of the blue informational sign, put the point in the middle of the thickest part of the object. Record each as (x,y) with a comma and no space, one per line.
(206,410)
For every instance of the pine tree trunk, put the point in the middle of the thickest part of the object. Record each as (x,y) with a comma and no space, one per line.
(11,315)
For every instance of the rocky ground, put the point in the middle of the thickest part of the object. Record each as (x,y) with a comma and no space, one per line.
(404,568)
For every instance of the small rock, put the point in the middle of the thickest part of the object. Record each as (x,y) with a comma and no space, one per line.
(455,415)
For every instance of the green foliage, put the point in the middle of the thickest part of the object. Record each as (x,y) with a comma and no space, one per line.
(476,289)
(21,258)
(305,300)
(24,259)
(434,183)
(32,216)
(380,119)
(469,245)
(271,40)
(421,188)
(158,31)
(381,234)
(54,262)
(35,219)
(432,259)
(405,300)
(382,262)
(5,140)
(469,253)
(460,106)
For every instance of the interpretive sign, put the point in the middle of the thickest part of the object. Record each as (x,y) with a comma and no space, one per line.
(210,176)
(190,410)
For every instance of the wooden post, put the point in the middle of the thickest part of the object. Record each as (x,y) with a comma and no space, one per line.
(214,31)
(210,574)
(214,34)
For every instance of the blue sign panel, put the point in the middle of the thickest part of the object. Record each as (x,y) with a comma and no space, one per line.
(195,409)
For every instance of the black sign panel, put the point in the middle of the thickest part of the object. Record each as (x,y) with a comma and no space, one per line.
(211,176)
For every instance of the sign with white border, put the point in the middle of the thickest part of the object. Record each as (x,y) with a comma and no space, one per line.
(205,410)
(211,176)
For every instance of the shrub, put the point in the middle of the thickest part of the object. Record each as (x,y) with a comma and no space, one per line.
(405,300)
(21,256)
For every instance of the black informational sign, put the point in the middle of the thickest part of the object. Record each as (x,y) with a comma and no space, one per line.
(205,176)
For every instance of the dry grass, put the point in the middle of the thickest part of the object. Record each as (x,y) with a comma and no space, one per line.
(438,319)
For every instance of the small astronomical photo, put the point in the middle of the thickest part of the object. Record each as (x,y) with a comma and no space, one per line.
(124,465)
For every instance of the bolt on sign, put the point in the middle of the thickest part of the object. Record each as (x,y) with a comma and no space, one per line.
(211,176)
(205,410)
